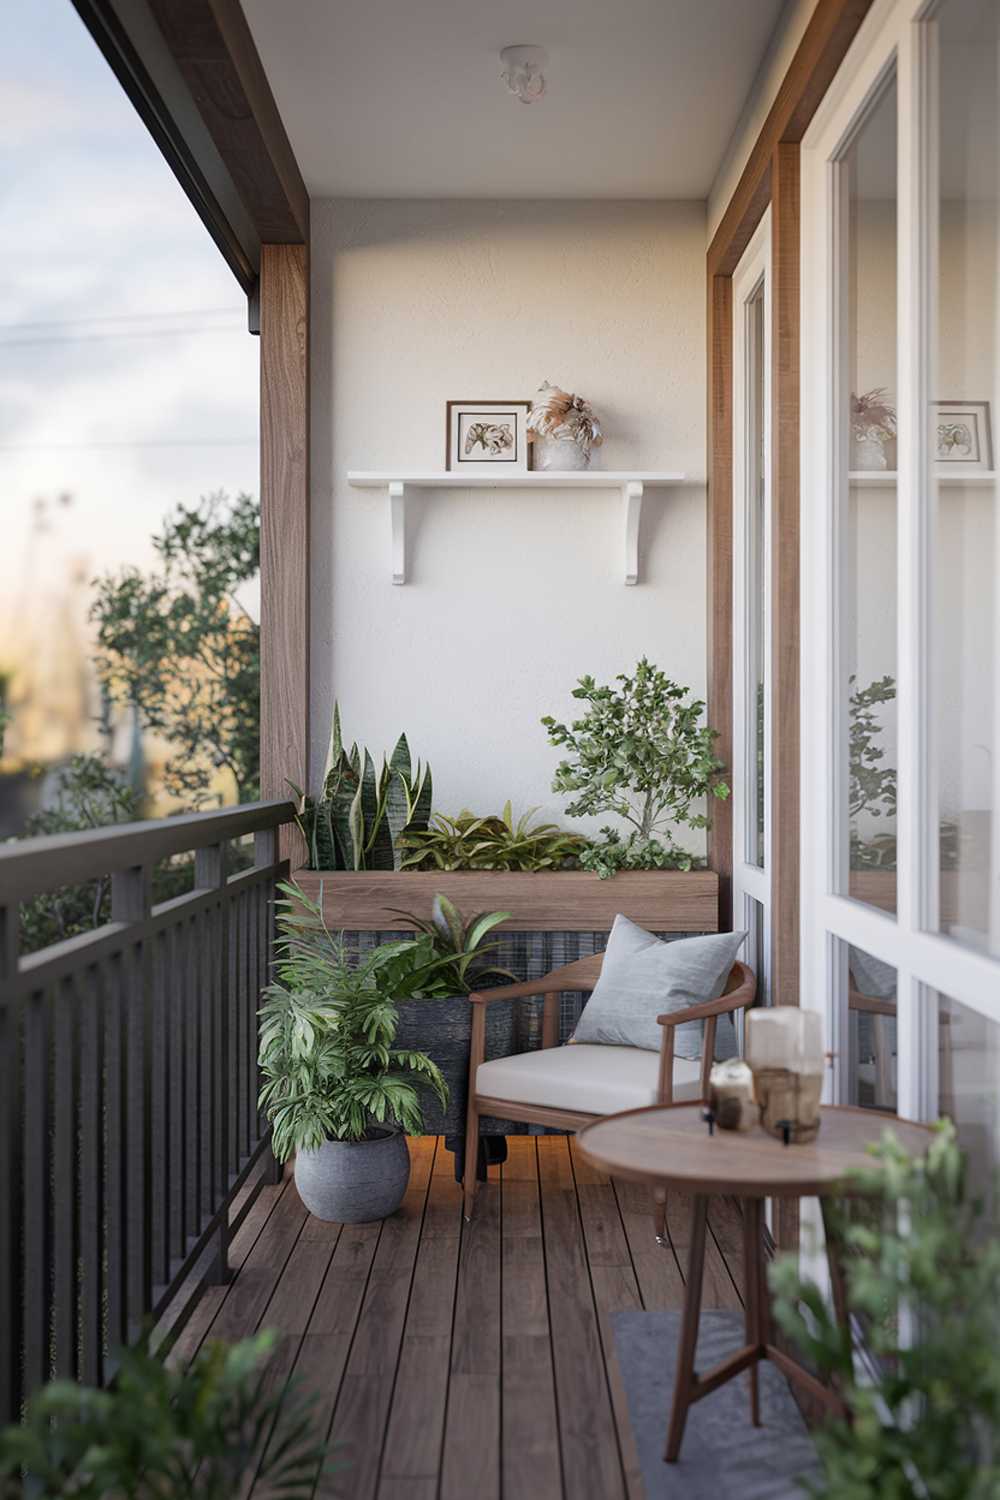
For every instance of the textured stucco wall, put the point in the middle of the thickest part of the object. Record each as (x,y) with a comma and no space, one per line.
(513,595)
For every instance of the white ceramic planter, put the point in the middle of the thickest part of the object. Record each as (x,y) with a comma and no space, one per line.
(559,453)
(354,1182)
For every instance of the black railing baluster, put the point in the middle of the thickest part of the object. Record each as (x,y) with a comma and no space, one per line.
(128,1088)
(159,1113)
(11,1167)
(175,1099)
(64,1180)
(37,1182)
(91,1175)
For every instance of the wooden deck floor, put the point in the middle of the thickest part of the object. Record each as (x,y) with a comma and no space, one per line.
(463,1361)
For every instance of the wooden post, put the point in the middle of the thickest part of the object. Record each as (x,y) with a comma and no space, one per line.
(284,528)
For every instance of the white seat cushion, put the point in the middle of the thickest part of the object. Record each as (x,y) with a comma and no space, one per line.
(594,1079)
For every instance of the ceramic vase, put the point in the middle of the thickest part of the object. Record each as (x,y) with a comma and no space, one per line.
(559,453)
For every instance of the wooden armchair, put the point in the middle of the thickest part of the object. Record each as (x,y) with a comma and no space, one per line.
(568,1087)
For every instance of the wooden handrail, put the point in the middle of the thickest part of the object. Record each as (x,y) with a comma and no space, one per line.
(29,867)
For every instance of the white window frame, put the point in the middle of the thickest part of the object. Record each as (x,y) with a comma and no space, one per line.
(750,882)
(894,33)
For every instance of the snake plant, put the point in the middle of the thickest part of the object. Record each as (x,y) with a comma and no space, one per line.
(360,817)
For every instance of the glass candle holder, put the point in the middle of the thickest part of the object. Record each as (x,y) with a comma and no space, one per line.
(784,1047)
(730,1095)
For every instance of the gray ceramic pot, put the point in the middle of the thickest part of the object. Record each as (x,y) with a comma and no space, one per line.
(354,1182)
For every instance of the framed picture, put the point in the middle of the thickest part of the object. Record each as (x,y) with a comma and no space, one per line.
(488,437)
(962,435)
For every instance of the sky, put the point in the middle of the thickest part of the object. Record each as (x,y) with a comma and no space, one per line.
(128,380)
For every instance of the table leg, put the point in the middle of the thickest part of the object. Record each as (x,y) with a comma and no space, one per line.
(685,1380)
(838,1281)
(751,1293)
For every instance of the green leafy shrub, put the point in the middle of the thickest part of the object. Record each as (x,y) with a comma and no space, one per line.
(447,935)
(468,842)
(642,753)
(926,1423)
(360,817)
(165,1433)
(326,1033)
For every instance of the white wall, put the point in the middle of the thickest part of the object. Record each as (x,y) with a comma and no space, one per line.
(513,595)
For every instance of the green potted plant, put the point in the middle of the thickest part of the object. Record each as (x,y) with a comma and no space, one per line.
(491,842)
(642,752)
(340,1094)
(168,1433)
(922,1263)
(450,958)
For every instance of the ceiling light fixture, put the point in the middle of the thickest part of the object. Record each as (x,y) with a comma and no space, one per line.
(523,72)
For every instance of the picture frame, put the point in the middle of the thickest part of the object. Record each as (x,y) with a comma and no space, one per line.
(485,437)
(962,436)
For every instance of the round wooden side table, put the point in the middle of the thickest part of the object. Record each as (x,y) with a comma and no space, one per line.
(670,1147)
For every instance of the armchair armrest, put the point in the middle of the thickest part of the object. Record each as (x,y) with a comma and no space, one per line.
(741,987)
(581,975)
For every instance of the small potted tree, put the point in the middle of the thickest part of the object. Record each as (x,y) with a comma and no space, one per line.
(340,1095)
(643,753)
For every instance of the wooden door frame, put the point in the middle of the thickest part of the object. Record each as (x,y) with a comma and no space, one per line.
(771,177)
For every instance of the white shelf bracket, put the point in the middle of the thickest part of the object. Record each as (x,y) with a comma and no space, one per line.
(397,520)
(632,505)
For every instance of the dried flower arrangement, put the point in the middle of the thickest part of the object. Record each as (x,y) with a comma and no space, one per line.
(873,415)
(559,414)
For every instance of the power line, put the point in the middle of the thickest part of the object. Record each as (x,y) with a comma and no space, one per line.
(103,338)
(184,312)
(144,443)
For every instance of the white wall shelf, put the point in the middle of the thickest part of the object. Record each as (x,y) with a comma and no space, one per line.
(879,479)
(631,486)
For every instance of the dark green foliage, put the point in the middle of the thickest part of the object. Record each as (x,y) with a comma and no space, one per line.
(924,1256)
(361,818)
(468,842)
(446,935)
(180,646)
(88,794)
(326,1031)
(641,752)
(168,1434)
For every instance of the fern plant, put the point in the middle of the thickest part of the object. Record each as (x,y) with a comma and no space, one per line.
(166,1433)
(468,842)
(327,1027)
(361,815)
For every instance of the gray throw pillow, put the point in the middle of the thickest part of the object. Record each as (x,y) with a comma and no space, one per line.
(643,977)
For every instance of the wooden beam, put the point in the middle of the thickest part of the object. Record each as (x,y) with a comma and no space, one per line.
(284,525)
(215,52)
(784,770)
(720,570)
(831,30)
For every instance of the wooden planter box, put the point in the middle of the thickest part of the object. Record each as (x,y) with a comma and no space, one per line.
(566,901)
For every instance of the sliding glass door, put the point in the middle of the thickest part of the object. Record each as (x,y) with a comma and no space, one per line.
(901,567)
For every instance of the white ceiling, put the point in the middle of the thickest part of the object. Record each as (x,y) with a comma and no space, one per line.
(403,98)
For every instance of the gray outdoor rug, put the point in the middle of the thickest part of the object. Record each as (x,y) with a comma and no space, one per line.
(722,1454)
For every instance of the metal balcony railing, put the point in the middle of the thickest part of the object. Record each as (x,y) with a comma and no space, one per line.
(128,1090)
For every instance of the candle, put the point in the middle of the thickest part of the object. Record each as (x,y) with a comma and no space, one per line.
(730,1095)
(785,1053)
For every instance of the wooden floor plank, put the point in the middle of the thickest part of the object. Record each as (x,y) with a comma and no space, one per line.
(661,1285)
(362,1407)
(530,1459)
(470,1458)
(467,1362)
(212,1297)
(592,1468)
(416,1418)
(616,1289)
